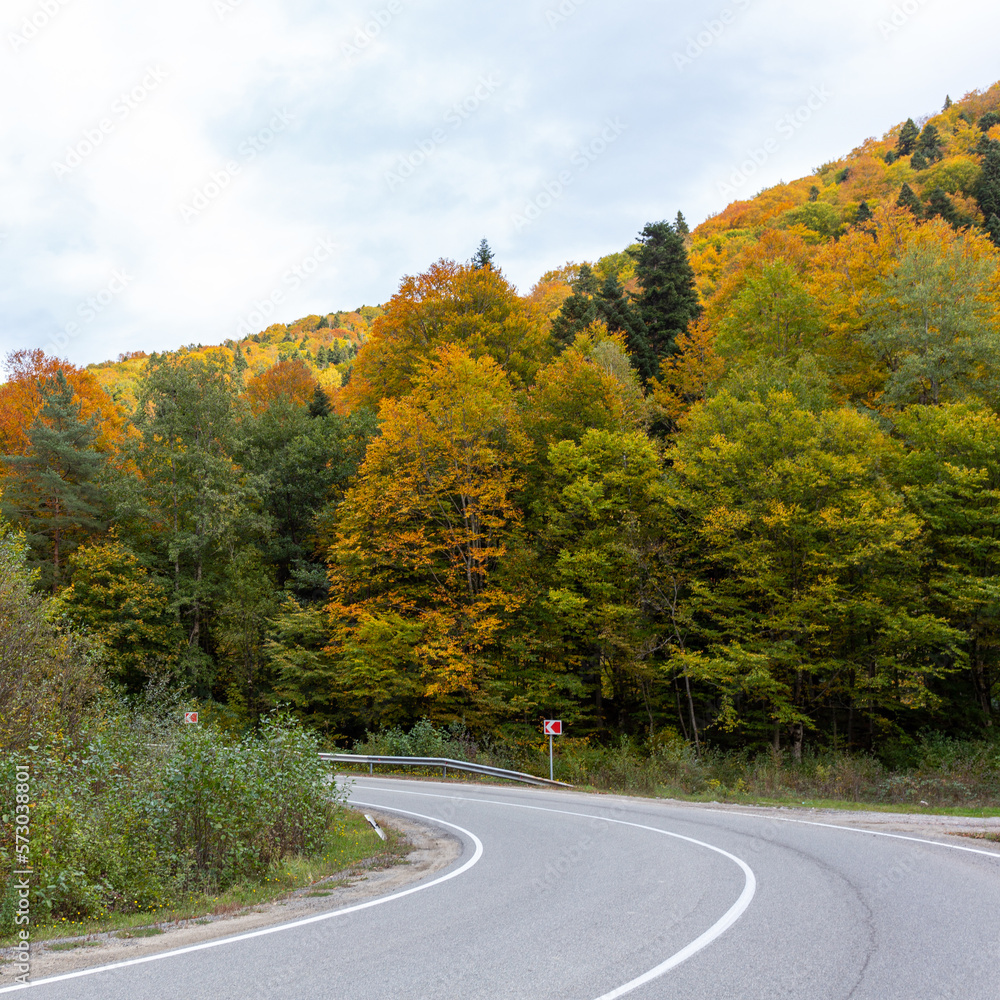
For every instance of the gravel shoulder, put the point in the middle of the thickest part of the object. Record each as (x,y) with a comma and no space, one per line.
(431,850)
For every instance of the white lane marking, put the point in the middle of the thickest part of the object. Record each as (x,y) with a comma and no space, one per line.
(861,829)
(277,928)
(716,930)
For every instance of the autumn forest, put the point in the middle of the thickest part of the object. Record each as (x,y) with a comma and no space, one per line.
(739,485)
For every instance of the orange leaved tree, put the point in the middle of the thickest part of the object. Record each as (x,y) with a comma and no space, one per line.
(413,606)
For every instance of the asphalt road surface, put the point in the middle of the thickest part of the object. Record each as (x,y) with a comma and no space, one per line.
(565,896)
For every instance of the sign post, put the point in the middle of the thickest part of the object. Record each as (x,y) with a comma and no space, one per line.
(552,727)
(191,718)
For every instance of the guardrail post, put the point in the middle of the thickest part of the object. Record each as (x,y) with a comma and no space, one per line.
(444,771)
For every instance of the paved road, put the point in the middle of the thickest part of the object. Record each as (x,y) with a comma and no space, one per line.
(563,896)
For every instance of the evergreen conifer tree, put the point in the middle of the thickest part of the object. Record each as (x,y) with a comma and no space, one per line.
(988,120)
(239,361)
(578,311)
(618,313)
(681,225)
(908,136)
(319,405)
(483,256)
(907,199)
(668,300)
(987,190)
(940,204)
(930,144)
(918,161)
(864,214)
(52,492)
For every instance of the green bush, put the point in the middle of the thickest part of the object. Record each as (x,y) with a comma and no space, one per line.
(130,823)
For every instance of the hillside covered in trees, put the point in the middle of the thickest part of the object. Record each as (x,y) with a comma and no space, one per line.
(738,484)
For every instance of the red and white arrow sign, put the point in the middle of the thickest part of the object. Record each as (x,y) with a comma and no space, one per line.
(190,716)
(552,727)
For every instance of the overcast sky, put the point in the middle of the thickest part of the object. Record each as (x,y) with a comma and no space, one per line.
(173,170)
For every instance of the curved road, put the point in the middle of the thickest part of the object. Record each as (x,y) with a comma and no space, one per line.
(565,896)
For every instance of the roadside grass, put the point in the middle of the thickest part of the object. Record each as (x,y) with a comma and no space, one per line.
(707,798)
(351,842)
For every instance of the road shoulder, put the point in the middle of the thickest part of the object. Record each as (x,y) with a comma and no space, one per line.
(432,849)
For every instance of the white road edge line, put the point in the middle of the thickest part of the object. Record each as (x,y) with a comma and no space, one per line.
(861,829)
(703,941)
(277,928)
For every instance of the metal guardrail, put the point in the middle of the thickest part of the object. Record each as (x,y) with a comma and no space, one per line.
(443,762)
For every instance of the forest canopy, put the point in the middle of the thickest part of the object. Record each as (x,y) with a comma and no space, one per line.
(738,483)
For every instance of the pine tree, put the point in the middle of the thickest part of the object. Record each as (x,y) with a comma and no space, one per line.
(618,313)
(813,193)
(930,144)
(988,120)
(483,257)
(578,311)
(681,225)
(907,199)
(918,161)
(940,204)
(864,214)
(52,492)
(319,405)
(987,190)
(908,136)
(947,102)
(239,361)
(668,300)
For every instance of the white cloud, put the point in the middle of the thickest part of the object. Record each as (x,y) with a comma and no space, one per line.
(223,69)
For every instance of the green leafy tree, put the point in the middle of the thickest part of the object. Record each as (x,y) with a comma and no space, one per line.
(248,601)
(935,327)
(192,502)
(773,316)
(53,491)
(951,480)
(809,595)
(127,611)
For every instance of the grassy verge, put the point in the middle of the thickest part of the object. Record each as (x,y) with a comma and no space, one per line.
(931,774)
(351,842)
